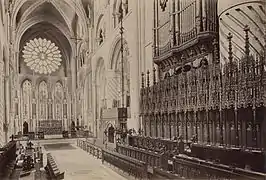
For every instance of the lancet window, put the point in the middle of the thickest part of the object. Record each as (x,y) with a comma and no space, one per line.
(26,100)
(43,100)
(59,101)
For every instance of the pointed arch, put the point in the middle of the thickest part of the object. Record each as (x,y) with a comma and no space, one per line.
(76,5)
(116,66)
(26,98)
(100,80)
(39,3)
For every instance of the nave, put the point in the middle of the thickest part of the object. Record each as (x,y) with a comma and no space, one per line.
(72,161)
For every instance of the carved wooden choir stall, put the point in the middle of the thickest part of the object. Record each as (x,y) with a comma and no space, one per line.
(215,107)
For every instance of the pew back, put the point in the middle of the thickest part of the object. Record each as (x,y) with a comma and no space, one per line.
(130,165)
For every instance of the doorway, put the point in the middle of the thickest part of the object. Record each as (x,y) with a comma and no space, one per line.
(25,128)
(111,133)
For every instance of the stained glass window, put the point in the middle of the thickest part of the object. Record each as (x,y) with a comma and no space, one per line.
(43,96)
(42,56)
(59,94)
(26,94)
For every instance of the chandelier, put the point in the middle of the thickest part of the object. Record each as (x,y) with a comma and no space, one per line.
(42,56)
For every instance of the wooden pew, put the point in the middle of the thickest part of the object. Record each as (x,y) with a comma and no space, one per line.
(228,156)
(52,168)
(131,166)
(90,148)
(170,166)
(150,157)
(155,144)
(191,168)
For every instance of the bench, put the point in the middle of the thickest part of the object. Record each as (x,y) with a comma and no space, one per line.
(131,166)
(239,157)
(173,166)
(52,168)
(90,148)
(152,158)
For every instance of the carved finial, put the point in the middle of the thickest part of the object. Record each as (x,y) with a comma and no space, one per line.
(230,53)
(154,75)
(215,50)
(246,29)
(142,79)
(148,78)
(203,49)
(183,58)
(191,54)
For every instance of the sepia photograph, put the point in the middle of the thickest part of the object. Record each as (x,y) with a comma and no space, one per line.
(132,89)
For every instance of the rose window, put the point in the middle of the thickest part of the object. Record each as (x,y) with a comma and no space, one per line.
(42,56)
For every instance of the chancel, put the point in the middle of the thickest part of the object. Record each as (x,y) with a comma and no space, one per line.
(160,89)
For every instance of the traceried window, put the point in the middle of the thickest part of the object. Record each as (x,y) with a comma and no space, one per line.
(42,56)
(26,100)
(59,96)
(43,100)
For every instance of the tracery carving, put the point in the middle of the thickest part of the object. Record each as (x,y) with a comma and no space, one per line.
(42,56)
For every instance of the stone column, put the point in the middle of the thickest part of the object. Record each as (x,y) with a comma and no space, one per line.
(94,123)
(134,60)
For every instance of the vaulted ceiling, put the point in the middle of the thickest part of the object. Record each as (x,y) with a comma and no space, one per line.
(62,21)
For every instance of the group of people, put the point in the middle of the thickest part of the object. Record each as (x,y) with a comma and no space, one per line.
(24,159)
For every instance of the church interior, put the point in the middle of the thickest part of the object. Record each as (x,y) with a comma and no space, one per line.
(160,89)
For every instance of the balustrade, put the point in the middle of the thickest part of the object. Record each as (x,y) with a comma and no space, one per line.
(90,148)
(150,157)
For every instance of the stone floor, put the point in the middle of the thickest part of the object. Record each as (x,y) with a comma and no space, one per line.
(76,163)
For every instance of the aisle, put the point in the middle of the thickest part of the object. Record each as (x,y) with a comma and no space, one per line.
(79,165)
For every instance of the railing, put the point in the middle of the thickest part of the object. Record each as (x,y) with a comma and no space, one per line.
(151,158)
(90,148)
(132,166)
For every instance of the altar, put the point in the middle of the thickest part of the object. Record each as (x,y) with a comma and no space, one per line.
(50,127)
